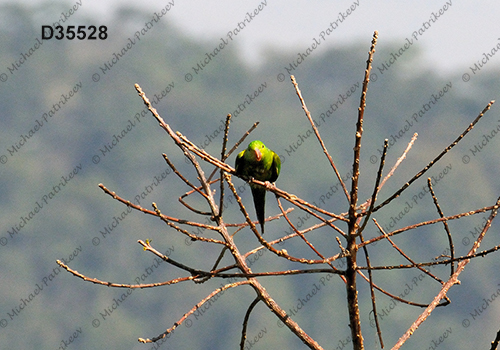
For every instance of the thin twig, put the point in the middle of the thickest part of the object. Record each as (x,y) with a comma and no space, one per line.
(494,344)
(147,246)
(186,181)
(445,223)
(301,235)
(204,155)
(400,159)
(282,273)
(404,254)
(377,186)
(372,291)
(216,264)
(222,158)
(395,297)
(316,132)
(150,212)
(434,263)
(245,322)
(430,222)
(121,285)
(451,281)
(270,218)
(185,232)
(196,307)
(428,166)
(194,188)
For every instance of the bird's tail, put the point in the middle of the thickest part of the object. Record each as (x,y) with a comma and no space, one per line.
(259,199)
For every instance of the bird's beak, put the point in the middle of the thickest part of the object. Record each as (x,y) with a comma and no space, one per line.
(258,155)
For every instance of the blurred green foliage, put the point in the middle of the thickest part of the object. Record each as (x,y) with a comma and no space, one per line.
(89,123)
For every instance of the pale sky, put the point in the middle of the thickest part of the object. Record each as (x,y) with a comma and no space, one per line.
(456,39)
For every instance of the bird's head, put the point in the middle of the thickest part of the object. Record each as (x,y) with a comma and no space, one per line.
(255,149)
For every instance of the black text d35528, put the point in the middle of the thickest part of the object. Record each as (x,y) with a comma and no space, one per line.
(75,32)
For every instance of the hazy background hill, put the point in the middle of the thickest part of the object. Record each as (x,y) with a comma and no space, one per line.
(81,138)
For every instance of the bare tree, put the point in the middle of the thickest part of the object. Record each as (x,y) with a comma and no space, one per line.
(350,242)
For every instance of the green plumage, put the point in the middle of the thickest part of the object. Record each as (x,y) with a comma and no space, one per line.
(262,164)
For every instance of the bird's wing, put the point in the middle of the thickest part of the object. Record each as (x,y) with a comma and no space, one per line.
(240,162)
(275,167)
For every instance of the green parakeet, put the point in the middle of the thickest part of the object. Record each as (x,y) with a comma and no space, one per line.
(262,164)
